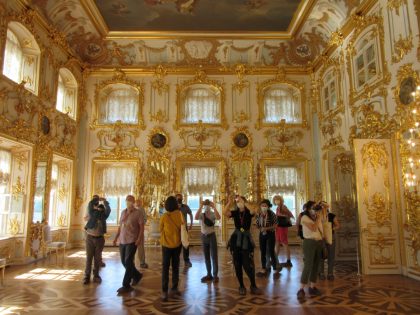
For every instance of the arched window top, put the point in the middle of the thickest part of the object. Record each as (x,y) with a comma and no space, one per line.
(119,102)
(282,101)
(67,93)
(21,56)
(201,102)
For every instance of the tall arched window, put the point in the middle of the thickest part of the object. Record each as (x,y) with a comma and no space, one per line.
(329,93)
(201,103)
(119,102)
(365,63)
(21,56)
(66,93)
(282,102)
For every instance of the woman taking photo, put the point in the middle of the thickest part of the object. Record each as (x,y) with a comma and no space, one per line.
(241,244)
(170,238)
(266,223)
(312,248)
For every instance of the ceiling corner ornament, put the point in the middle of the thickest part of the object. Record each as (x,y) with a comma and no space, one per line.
(280,79)
(283,143)
(371,124)
(375,157)
(200,142)
(117,143)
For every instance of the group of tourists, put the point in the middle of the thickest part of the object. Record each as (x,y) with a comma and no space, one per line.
(316,227)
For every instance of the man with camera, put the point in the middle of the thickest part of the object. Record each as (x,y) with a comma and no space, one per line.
(208,238)
(98,212)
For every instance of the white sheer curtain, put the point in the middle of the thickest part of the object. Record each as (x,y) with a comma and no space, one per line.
(60,95)
(13,58)
(5,166)
(200,180)
(120,103)
(281,179)
(54,176)
(201,104)
(281,103)
(116,180)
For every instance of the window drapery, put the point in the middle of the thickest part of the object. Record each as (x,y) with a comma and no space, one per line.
(116,180)
(5,166)
(119,103)
(281,103)
(13,57)
(60,95)
(281,179)
(200,180)
(202,104)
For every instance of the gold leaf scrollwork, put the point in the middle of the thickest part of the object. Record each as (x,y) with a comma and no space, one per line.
(18,189)
(159,84)
(14,226)
(401,48)
(378,209)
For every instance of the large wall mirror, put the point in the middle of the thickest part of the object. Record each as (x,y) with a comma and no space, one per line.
(40,192)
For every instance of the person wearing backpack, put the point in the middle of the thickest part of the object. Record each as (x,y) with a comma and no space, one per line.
(207,219)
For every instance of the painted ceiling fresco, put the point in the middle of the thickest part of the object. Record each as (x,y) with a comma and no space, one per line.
(70,18)
(198,15)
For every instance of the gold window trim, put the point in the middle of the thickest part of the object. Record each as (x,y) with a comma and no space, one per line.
(372,27)
(181,89)
(279,80)
(330,65)
(119,78)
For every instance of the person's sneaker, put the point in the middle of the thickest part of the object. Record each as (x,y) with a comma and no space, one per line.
(175,292)
(288,263)
(86,280)
(255,290)
(102,264)
(188,264)
(164,297)
(301,294)
(206,279)
(242,291)
(125,290)
(314,292)
(262,274)
(330,277)
(321,277)
(144,266)
(97,279)
(215,279)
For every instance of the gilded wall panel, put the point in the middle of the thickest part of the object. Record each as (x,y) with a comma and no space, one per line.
(379,238)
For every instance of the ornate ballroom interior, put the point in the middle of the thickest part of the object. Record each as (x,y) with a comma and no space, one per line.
(310,99)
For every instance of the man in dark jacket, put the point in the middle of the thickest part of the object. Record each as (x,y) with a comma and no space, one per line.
(98,212)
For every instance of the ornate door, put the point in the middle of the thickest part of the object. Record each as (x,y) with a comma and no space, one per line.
(379,239)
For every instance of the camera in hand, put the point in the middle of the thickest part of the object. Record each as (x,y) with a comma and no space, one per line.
(317,207)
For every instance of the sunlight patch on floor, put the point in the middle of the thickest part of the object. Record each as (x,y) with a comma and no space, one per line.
(82,254)
(9,310)
(51,274)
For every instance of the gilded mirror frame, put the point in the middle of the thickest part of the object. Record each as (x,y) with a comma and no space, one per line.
(404,72)
(280,80)
(119,78)
(200,78)
(330,65)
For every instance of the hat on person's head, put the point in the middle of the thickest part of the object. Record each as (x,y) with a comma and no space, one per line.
(267,202)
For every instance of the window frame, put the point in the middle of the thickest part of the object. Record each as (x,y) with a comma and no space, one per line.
(266,85)
(69,84)
(182,89)
(31,55)
(119,78)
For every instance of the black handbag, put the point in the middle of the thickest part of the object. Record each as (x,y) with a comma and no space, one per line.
(207,221)
(324,253)
(283,221)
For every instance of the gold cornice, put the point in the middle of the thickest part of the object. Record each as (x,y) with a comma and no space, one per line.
(147,71)
(301,14)
(95,16)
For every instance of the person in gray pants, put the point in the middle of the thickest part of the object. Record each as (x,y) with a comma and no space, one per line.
(207,219)
(98,212)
